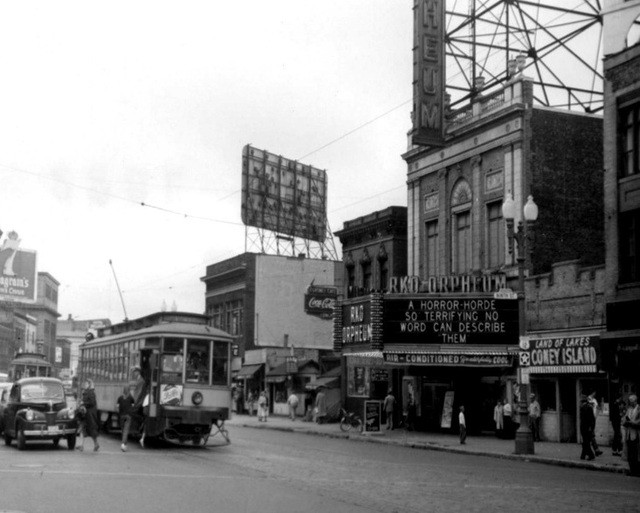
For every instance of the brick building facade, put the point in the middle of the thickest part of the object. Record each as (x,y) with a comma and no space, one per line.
(621,340)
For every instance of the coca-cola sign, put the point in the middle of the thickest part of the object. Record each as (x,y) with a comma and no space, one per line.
(319,301)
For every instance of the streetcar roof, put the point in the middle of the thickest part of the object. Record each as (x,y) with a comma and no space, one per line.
(182,329)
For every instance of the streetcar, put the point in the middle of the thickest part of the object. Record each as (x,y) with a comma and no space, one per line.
(29,365)
(186,365)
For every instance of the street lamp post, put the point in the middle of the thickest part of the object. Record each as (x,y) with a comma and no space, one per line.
(522,238)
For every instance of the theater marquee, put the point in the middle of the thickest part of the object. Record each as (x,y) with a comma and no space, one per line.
(463,319)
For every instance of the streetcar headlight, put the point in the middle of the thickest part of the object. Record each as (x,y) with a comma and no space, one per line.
(29,415)
(196,398)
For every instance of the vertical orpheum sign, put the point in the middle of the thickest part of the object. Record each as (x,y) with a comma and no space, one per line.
(428,72)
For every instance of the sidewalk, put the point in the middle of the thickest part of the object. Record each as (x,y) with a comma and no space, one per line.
(562,454)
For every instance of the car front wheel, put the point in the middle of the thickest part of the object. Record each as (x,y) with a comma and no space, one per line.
(21,440)
(71,442)
(7,439)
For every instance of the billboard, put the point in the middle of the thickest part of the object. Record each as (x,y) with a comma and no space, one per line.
(428,72)
(17,271)
(283,195)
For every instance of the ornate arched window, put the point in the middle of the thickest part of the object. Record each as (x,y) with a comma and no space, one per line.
(461,243)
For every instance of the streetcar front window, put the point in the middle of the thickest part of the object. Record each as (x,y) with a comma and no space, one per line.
(198,361)
(220,363)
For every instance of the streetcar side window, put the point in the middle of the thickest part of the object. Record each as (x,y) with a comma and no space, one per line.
(220,363)
(198,358)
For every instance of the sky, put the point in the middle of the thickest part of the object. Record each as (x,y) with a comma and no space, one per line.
(106,106)
(122,126)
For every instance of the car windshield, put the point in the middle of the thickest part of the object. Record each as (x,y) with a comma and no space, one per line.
(37,392)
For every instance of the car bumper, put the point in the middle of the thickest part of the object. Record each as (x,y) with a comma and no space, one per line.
(49,431)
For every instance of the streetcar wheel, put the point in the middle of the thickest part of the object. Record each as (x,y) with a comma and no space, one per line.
(21,440)
(345,425)
(71,442)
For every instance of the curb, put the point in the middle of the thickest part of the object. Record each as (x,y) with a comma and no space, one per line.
(433,446)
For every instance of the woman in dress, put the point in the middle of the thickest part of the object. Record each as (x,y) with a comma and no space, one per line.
(91,417)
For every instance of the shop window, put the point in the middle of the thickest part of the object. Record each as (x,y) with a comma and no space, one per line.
(630,246)
(546,393)
(358,381)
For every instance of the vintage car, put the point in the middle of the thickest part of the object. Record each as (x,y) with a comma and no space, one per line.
(4,397)
(36,410)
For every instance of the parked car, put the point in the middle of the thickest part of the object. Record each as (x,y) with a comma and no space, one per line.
(4,397)
(37,410)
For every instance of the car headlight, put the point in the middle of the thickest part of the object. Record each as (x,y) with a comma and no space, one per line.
(196,398)
(29,415)
(71,413)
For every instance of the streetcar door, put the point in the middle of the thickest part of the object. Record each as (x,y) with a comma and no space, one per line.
(149,359)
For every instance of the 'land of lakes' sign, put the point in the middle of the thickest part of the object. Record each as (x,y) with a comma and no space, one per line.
(561,355)
(460,319)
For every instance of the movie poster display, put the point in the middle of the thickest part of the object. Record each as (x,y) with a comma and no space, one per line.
(372,416)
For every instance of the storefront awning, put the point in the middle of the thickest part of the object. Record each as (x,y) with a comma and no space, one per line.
(328,381)
(365,357)
(275,379)
(248,371)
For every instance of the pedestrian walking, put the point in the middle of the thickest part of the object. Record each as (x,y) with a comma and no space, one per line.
(91,416)
(321,406)
(292,402)
(587,424)
(139,386)
(263,407)
(631,423)
(498,419)
(388,406)
(534,417)
(617,410)
(125,412)
(462,423)
(593,402)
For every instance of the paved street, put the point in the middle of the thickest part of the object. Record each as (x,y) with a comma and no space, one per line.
(267,470)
